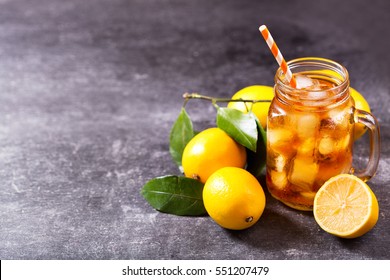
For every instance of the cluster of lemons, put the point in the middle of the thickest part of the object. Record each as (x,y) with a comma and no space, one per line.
(234,198)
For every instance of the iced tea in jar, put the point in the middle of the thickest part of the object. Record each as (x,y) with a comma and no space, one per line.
(310,131)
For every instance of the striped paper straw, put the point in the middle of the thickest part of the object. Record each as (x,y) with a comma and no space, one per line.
(278,55)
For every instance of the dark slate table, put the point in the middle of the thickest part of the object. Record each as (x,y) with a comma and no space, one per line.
(90,89)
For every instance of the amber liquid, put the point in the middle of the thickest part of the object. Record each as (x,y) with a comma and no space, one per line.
(307,147)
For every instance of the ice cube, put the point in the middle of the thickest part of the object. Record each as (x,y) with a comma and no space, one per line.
(307,125)
(280,162)
(303,172)
(332,147)
(307,147)
(317,98)
(279,137)
(304,82)
(327,145)
(317,95)
(279,179)
(340,117)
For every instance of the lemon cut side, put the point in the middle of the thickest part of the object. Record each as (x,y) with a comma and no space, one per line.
(346,207)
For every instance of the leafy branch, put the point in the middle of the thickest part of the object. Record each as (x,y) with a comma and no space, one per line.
(183,196)
(214,100)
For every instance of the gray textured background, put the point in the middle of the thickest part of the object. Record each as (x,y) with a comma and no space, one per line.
(90,89)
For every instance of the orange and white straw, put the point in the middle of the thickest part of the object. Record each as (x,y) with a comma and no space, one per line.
(278,55)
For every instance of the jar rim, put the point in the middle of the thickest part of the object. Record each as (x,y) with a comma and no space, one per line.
(314,66)
(327,64)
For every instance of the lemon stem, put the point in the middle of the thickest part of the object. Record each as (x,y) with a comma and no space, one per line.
(187,96)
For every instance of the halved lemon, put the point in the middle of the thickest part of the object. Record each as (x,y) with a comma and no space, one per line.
(345,206)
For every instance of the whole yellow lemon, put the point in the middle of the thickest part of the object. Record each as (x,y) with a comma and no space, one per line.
(233,198)
(255,92)
(209,151)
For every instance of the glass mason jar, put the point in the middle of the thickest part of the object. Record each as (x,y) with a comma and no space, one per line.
(310,131)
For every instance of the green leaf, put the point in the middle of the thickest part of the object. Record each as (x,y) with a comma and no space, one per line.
(181,133)
(175,195)
(256,161)
(240,126)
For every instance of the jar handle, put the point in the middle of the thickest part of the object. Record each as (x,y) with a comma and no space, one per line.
(371,123)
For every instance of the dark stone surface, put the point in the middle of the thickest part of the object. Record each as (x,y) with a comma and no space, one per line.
(90,89)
